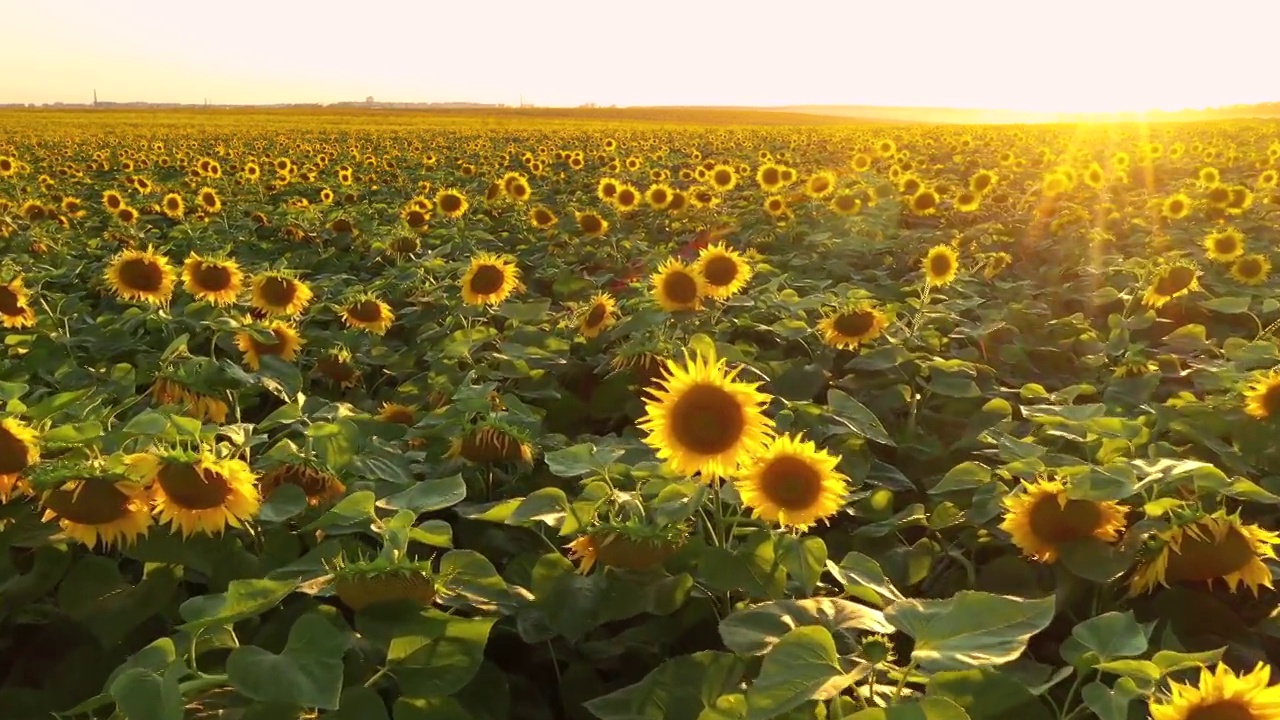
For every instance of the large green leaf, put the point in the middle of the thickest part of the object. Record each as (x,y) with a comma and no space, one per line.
(754,630)
(1113,635)
(359,703)
(930,708)
(243,599)
(307,673)
(427,495)
(987,694)
(863,577)
(142,694)
(581,459)
(681,687)
(429,652)
(970,629)
(857,416)
(800,667)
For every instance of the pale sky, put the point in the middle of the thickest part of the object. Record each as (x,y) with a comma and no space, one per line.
(1080,55)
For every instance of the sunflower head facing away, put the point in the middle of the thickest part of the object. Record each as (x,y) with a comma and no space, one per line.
(1221,694)
(318,485)
(1214,547)
(488,443)
(792,483)
(216,281)
(678,287)
(141,276)
(489,279)
(362,583)
(723,269)
(701,419)
(1041,518)
(626,546)
(850,326)
(279,293)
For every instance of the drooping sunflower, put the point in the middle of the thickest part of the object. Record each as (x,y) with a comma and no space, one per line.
(99,510)
(591,224)
(168,391)
(217,281)
(792,483)
(724,269)
(279,293)
(1224,245)
(319,485)
(141,276)
(1041,518)
(489,280)
(398,413)
(198,493)
(850,326)
(285,346)
(701,419)
(15,306)
(451,203)
(678,287)
(1172,281)
(19,450)
(1262,396)
(626,546)
(1215,547)
(491,442)
(941,265)
(368,313)
(599,314)
(1221,694)
(1176,207)
(1251,269)
(362,583)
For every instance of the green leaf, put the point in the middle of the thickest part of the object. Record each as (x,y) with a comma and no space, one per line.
(582,459)
(142,694)
(801,666)
(470,576)
(154,657)
(528,312)
(436,533)
(1111,482)
(930,708)
(857,416)
(858,571)
(307,673)
(804,558)
(286,501)
(987,694)
(146,423)
(756,629)
(965,476)
(243,599)
(73,433)
(681,687)
(430,653)
(1143,671)
(352,508)
(1110,703)
(57,403)
(1113,635)
(1169,661)
(546,505)
(970,629)
(359,703)
(1227,305)
(427,495)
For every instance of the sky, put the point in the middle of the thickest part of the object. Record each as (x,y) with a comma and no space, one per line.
(1080,56)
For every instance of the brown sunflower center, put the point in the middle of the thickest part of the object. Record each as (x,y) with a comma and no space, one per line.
(269,348)
(1221,710)
(1225,244)
(770,176)
(172,204)
(415,218)
(626,198)
(680,287)
(1271,400)
(940,265)
(924,201)
(590,223)
(1249,267)
(1206,559)
(450,203)
(10,303)
(278,291)
(487,280)
(209,200)
(720,270)
(192,489)
(95,502)
(854,324)
(1056,523)
(722,177)
(791,483)
(213,277)
(541,217)
(405,245)
(14,453)
(141,275)
(114,202)
(707,420)
(1176,207)
(1175,280)
(365,311)
(597,314)
(658,197)
(336,369)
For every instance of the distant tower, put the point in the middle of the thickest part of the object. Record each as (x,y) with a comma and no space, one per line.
(95,97)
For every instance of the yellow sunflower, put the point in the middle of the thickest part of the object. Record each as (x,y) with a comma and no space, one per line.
(925,202)
(141,276)
(701,419)
(820,185)
(400,414)
(598,315)
(1041,518)
(209,201)
(167,391)
(15,306)
(99,510)
(850,326)
(723,178)
(846,202)
(489,280)
(1221,694)
(173,206)
(591,224)
(368,313)
(725,271)
(286,344)
(198,493)
(678,287)
(1176,207)
(1262,397)
(968,201)
(792,483)
(1224,245)
(1172,281)
(451,203)
(941,265)
(215,281)
(278,293)
(1217,546)
(19,450)
(541,217)
(658,196)
(1247,269)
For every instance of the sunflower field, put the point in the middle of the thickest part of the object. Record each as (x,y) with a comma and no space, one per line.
(410,417)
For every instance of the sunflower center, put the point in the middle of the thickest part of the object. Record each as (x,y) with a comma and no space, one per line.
(939,265)
(1249,268)
(405,245)
(1056,523)
(1225,244)
(398,415)
(488,279)
(720,270)
(9,302)
(450,203)
(924,201)
(1221,710)
(415,218)
(597,314)
(14,453)
(791,483)
(770,176)
(722,177)
(269,348)
(590,223)
(658,197)
(542,217)
(192,489)
(707,420)
(213,277)
(854,324)
(141,274)
(279,291)
(680,287)
(1175,280)
(846,203)
(95,502)
(1206,559)
(365,311)
(336,369)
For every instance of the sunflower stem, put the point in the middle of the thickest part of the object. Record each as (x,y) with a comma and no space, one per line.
(902,680)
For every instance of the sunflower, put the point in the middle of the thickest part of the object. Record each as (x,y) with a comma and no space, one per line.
(849,327)
(1221,695)
(451,203)
(982,181)
(1262,397)
(337,367)
(198,493)
(415,217)
(1172,281)
(1217,546)
(776,207)
(677,286)
(1209,177)
(209,201)
(925,202)
(627,198)
(127,215)
(278,293)
(319,486)
(112,200)
(364,583)
(598,315)
(8,166)
(541,217)
(1041,518)
(517,188)
(846,202)
(173,206)
(792,483)
(486,444)
(591,224)
(19,450)
(625,547)
(15,306)
(1176,207)
(99,510)
(167,391)
(770,177)
(489,279)
(968,201)
(607,188)
(368,313)
(1224,245)
(144,276)
(701,419)
(392,412)
(941,265)
(820,185)
(1247,269)
(723,178)
(285,346)
(215,281)
(658,196)
(723,269)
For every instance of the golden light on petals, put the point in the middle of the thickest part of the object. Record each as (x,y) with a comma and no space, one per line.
(678,287)
(369,314)
(792,483)
(277,293)
(851,326)
(15,306)
(723,269)
(215,281)
(599,314)
(941,265)
(286,345)
(1262,396)
(199,494)
(143,276)
(1220,694)
(98,511)
(1040,518)
(1215,547)
(489,280)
